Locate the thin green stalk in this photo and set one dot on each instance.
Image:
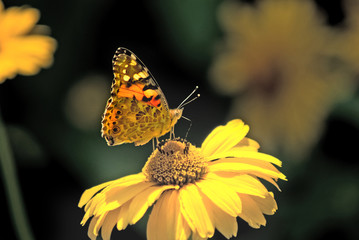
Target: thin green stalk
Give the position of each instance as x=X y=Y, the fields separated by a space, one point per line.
x=17 y=208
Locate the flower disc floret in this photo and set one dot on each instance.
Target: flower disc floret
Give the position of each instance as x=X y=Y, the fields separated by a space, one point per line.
x=175 y=162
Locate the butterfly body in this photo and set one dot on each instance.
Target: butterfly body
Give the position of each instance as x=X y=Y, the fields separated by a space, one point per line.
x=137 y=110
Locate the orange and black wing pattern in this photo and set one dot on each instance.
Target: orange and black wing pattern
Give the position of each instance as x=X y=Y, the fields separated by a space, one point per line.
x=137 y=110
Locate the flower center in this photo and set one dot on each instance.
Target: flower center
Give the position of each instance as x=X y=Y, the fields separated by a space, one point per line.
x=175 y=162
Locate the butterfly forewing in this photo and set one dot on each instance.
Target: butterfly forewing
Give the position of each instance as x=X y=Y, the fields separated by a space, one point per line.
x=137 y=110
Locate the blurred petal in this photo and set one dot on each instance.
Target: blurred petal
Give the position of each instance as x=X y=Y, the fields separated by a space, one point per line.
x=30 y=53
x=24 y=47
x=18 y=21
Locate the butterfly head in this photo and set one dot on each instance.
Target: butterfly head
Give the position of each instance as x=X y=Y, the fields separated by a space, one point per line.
x=175 y=114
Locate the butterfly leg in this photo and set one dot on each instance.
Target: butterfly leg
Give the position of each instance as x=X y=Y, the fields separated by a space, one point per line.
x=172 y=133
x=153 y=144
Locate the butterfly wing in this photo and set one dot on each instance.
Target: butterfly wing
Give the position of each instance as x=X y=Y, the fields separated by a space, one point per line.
x=137 y=110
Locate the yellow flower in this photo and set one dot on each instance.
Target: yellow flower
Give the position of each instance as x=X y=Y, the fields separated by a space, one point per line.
x=276 y=65
x=197 y=190
x=23 y=50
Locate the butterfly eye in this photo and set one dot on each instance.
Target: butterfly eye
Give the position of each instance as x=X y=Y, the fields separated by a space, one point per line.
x=115 y=130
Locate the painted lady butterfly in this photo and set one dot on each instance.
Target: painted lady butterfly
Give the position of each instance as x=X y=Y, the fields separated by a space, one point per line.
x=137 y=110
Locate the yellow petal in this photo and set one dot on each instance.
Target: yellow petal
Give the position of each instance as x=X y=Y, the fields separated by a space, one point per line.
x=88 y=194
x=123 y=219
x=158 y=226
x=223 y=222
x=90 y=231
x=225 y=137
x=195 y=236
x=18 y=21
x=238 y=153
x=85 y=218
x=109 y=223
x=95 y=225
x=268 y=179
x=242 y=183
x=251 y=212
x=154 y=220
x=8 y=68
x=183 y=231
x=166 y=220
x=144 y=200
x=91 y=207
x=130 y=180
x=171 y=214
x=99 y=223
x=242 y=168
x=267 y=205
x=120 y=195
x=254 y=162
x=221 y=195
x=194 y=212
x=248 y=144
x=30 y=53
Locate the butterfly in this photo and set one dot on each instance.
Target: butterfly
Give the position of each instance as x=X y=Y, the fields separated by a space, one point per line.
x=137 y=110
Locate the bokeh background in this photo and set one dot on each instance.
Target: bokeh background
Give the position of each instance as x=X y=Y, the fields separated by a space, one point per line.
x=53 y=118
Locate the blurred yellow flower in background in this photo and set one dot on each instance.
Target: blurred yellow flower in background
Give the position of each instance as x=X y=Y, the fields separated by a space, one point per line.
x=348 y=41
x=23 y=47
x=275 y=63
x=197 y=190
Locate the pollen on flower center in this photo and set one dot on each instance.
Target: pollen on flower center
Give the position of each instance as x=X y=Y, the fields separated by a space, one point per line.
x=175 y=162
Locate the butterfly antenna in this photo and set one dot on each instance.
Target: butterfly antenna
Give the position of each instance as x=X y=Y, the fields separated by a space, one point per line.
x=198 y=95
x=183 y=103
x=190 y=125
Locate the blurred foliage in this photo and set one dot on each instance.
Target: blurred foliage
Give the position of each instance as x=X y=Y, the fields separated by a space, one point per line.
x=59 y=150
x=190 y=29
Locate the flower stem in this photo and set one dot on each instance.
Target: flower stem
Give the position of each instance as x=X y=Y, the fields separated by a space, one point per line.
x=17 y=209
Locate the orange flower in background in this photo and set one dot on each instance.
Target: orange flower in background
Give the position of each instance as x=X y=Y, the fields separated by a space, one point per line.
x=279 y=68
x=193 y=190
x=23 y=47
